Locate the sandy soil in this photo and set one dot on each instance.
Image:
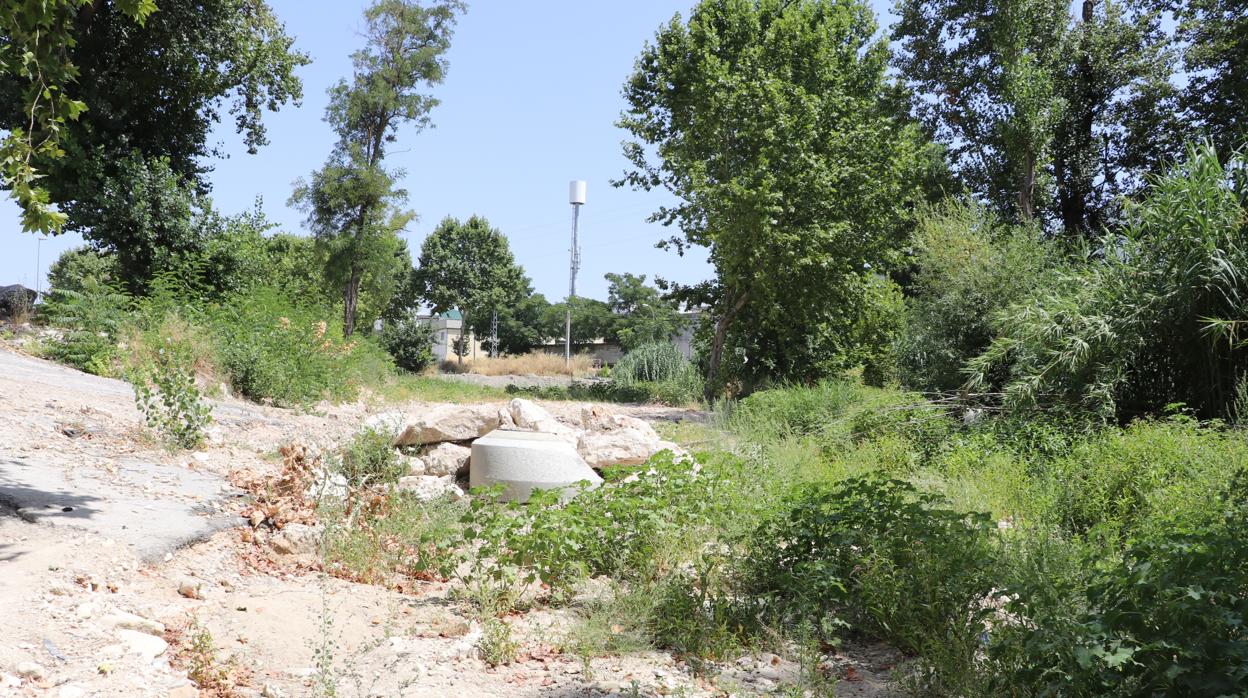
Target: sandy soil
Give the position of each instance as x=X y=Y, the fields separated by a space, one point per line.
x=88 y=610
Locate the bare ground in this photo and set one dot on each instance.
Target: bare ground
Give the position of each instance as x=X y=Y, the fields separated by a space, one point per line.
x=79 y=588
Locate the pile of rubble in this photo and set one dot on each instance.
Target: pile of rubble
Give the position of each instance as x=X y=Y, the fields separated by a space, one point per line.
x=437 y=441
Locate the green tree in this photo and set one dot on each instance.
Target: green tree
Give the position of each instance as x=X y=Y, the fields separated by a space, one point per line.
x=155 y=87
x=36 y=69
x=353 y=205
x=1045 y=117
x=1215 y=36
x=774 y=125
x=591 y=320
x=469 y=267
x=642 y=315
x=521 y=326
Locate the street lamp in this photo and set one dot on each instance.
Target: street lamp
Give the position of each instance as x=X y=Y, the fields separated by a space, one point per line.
x=576 y=197
x=38 y=268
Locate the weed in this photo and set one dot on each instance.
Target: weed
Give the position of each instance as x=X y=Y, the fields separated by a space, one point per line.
x=166 y=394
x=496 y=644
x=369 y=459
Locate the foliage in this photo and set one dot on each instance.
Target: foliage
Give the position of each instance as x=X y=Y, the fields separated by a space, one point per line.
x=36 y=69
x=642 y=316
x=592 y=320
x=1165 y=620
x=970 y=266
x=1215 y=57
x=404 y=538
x=654 y=362
x=72 y=268
x=796 y=410
x=882 y=556
x=1045 y=118
x=876 y=330
x=92 y=318
x=773 y=124
x=353 y=205
x=166 y=394
x=369 y=459
x=1135 y=329
x=410 y=342
x=469 y=267
x=275 y=350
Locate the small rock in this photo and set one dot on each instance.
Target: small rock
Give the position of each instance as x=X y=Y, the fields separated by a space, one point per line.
x=142 y=644
x=184 y=691
x=129 y=621
x=30 y=670
x=71 y=691
x=609 y=686
x=190 y=588
x=427 y=487
x=271 y=690
x=281 y=545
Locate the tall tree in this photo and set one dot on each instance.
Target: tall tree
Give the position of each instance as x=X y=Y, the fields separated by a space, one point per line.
x=642 y=315
x=155 y=88
x=1045 y=116
x=353 y=204
x=1214 y=34
x=469 y=267
x=774 y=125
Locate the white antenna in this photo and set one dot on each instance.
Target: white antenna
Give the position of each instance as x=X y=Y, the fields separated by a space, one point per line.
x=576 y=197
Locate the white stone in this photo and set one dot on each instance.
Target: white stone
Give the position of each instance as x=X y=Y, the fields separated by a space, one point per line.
x=446 y=459
x=30 y=670
x=528 y=416
x=129 y=621
x=415 y=466
x=427 y=487
x=142 y=644
x=618 y=440
x=71 y=691
x=525 y=461
x=440 y=423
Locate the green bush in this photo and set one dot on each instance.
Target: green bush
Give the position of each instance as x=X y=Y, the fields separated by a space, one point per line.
x=970 y=267
x=651 y=363
x=876 y=553
x=407 y=537
x=91 y=318
x=906 y=416
x=1150 y=475
x=290 y=354
x=410 y=343
x=795 y=410
x=370 y=459
x=1149 y=321
x=1167 y=620
x=166 y=394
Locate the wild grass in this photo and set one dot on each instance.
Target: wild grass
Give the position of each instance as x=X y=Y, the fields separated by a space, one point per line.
x=423 y=388
x=536 y=363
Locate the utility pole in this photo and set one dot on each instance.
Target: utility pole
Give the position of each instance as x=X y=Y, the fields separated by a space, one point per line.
x=576 y=197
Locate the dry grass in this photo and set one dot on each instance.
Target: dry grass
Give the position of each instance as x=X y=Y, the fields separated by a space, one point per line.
x=535 y=363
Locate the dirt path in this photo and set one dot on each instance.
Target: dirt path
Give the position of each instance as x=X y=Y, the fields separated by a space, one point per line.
x=95 y=566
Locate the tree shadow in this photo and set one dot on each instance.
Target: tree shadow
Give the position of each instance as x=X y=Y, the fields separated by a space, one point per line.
x=35 y=504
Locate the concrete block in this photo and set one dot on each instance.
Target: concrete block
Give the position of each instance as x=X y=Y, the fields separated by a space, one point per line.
x=525 y=461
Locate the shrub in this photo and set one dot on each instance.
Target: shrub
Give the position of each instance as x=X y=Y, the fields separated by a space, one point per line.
x=1168 y=620
x=879 y=555
x=91 y=318
x=970 y=266
x=370 y=459
x=656 y=362
x=410 y=343
x=794 y=410
x=276 y=350
x=166 y=394
x=406 y=537
x=906 y=416
x=1153 y=474
x=1149 y=320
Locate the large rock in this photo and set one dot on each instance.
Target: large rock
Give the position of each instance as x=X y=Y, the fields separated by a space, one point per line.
x=528 y=416
x=524 y=461
x=441 y=423
x=446 y=459
x=616 y=439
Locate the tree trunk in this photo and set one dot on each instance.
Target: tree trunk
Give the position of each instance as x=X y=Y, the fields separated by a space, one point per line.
x=717 y=344
x=463 y=327
x=350 y=299
x=1026 y=193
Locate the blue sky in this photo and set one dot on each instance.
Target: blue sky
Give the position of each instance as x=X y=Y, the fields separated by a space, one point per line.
x=529 y=103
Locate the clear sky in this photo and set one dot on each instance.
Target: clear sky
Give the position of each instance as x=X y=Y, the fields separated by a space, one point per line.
x=529 y=103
